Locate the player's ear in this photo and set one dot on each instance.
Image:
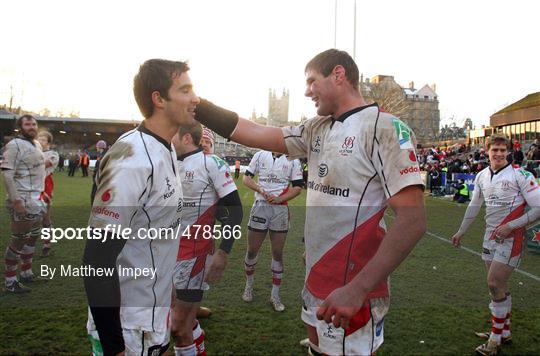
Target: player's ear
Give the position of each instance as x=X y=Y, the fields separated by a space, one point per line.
x=338 y=74
x=158 y=100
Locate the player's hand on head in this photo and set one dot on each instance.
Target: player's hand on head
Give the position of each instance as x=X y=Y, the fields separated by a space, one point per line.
x=217 y=267
x=456 y=239
x=340 y=306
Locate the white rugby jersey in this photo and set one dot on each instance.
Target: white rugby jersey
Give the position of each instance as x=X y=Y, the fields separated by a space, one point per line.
x=506 y=193
x=356 y=163
x=139 y=188
x=54 y=158
x=274 y=174
x=25 y=157
x=205 y=179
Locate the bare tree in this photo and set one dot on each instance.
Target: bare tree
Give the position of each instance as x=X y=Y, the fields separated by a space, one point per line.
x=390 y=97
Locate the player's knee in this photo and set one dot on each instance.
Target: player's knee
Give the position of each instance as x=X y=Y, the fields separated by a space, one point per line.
x=252 y=254
x=277 y=255
x=494 y=286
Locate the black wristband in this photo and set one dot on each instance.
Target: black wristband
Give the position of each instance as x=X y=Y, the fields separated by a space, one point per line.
x=217 y=119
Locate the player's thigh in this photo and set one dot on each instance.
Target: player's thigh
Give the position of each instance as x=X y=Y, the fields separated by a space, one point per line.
x=139 y=342
x=259 y=216
x=279 y=218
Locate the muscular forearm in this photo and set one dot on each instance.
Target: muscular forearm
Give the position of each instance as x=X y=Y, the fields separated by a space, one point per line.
x=406 y=230
x=9 y=183
x=525 y=219
x=251 y=134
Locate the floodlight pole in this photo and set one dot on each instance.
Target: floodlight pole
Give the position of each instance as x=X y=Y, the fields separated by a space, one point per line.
x=354 y=37
x=335 y=23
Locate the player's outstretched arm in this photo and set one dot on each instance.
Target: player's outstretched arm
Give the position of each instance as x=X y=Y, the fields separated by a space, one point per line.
x=470 y=214
x=406 y=230
x=229 y=125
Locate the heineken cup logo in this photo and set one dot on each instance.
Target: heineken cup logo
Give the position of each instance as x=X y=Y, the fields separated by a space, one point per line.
x=403 y=133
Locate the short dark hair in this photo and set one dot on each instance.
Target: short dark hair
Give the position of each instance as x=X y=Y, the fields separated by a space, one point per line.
x=47 y=134
x=498 y=138
x=155 y=75
x=22 y=118
x=195 y=130
x=326 y=61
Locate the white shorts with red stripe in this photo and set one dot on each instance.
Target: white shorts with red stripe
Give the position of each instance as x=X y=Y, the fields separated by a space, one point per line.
x=364 y=335
x=190 y=274
x=508 y=252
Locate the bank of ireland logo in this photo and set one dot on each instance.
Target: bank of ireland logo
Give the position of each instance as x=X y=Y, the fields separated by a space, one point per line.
x=403 y=133
x=323 y=170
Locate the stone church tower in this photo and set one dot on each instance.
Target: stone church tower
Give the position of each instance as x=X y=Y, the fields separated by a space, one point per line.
x=278 y=108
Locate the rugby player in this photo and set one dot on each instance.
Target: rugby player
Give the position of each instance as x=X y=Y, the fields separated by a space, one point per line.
x=270 y=214
x=507 y=191
x=361 y=161
x=207 y=141
x=51 y=157
x=23 y=169
x=208 y=190
x=138 y=187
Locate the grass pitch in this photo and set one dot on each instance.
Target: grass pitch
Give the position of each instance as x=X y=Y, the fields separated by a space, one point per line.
x=439 y=295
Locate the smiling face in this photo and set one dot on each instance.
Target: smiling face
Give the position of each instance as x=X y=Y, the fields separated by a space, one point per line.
x=497 y=155
x=322 y=91
x=180 y=106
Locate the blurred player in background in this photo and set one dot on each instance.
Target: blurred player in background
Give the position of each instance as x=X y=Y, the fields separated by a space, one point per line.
x=270 y=214
x=208 y=190
x=51 y=157
x=507 y=191
x=23 y=169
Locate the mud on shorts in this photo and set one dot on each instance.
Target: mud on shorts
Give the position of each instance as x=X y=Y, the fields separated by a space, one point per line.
x=188 y=278
x=35 y=209
x=364 y=335
x=508 y=252
x=265 y=216
x=137 y=342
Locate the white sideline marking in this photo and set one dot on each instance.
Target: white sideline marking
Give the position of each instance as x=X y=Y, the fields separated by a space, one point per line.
x=525 y=273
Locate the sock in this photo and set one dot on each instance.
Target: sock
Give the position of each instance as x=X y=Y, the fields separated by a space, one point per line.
x=499 y=310
x=27 y=254
x=249 y=268
x=198 y=338
x=11 y=259
x=277 y=273
x=47 y=241
x=506 y=330
x=190 y=350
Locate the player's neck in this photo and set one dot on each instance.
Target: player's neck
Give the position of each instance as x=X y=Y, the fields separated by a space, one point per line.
x=348 y=102
x=161 y=126
x=184 y=150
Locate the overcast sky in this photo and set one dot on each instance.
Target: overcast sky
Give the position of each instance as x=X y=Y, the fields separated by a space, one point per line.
x=82 y=55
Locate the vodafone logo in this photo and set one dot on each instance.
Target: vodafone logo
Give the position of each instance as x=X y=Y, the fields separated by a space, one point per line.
x=411 y=169
x=412 y=156
x=106 y=196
